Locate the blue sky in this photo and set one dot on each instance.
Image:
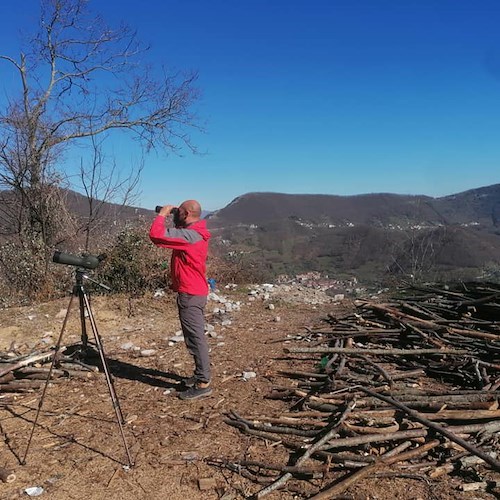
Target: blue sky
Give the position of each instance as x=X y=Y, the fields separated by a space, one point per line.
x=318 y=96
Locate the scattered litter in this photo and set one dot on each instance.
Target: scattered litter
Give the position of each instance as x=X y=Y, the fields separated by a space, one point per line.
x=129 y=346
x=34 y=491
x=248 y=375
x=175 y=339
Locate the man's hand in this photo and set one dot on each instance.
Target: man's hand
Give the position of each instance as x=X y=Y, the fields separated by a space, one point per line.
x=166 y=210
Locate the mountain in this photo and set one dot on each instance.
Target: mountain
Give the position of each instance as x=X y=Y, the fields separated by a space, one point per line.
x=366 y=235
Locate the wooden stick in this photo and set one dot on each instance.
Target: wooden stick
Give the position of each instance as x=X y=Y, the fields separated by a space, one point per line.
x=269 y=466
x=20 y=385
x=408 y=434
x=438 y=415
x=290 y=421
x=374 y=438
x=42 y=372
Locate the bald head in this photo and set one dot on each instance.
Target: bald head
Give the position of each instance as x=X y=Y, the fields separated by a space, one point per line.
x=193 y=209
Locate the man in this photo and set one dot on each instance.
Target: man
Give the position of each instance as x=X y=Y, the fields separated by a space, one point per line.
x=189 y=243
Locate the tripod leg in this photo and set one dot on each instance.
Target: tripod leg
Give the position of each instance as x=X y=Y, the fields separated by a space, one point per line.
x=85 y=337
x=109 y=380
x=54 y=357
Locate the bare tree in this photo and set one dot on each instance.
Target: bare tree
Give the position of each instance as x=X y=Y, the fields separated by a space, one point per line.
x=103 y=183
x=79 y=79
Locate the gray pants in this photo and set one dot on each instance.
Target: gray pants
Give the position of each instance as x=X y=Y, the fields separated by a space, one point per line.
x=191 y=315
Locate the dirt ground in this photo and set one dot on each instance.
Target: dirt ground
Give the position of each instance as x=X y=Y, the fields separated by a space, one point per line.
x=77 y=451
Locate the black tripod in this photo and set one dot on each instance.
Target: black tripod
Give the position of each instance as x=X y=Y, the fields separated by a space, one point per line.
x=79 y=291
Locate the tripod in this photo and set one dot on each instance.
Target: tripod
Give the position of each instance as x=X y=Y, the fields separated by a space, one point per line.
x=79 y=291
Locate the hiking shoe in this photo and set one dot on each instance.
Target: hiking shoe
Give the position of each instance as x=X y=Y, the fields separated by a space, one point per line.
x=196 y=392
x=189 y=381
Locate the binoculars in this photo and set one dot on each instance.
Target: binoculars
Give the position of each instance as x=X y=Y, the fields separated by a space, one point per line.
x=173 y=212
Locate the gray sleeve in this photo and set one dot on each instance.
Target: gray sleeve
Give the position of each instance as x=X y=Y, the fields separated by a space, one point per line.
x=188 y=235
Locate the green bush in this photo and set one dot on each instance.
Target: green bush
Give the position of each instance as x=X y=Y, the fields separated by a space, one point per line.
x=133 y=264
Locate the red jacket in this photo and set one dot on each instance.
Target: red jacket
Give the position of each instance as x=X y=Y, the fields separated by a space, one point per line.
x=189 y=256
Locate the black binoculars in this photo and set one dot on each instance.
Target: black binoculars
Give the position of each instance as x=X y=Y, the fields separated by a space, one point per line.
x=173 y=212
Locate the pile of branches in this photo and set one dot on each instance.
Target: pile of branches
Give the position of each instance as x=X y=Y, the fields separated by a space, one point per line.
x=405 y=387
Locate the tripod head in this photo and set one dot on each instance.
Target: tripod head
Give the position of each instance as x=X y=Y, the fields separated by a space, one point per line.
x=80 y=276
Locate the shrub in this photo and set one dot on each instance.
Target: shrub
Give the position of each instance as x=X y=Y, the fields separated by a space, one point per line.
x=133 y=264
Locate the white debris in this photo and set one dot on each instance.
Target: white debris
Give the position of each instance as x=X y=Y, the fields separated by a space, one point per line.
x=147 y=352
x=248 y=375
x=129 y=346
x=177 y=338
x=34 y=491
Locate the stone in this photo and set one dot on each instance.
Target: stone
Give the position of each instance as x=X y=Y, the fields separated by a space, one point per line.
x=248 y=375
x=128 y=346
x=207 y=483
